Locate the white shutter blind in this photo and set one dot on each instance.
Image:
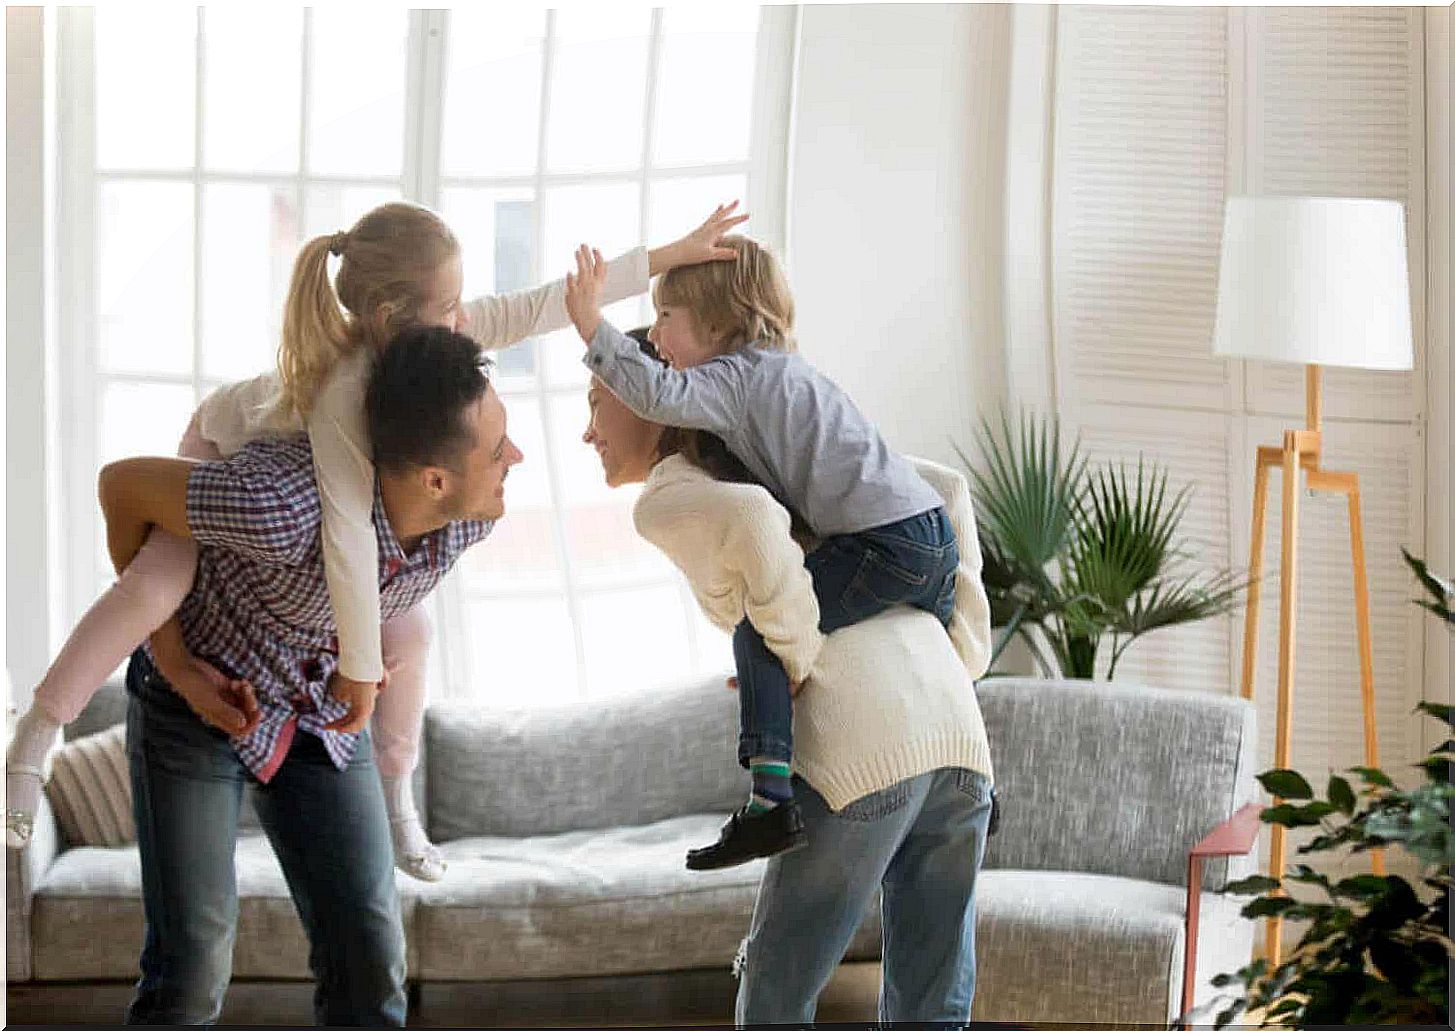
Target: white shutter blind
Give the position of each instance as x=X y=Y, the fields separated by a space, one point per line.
x=1140 y=151
x=1329 y=102
x=1139 y=159
x=1335 y=108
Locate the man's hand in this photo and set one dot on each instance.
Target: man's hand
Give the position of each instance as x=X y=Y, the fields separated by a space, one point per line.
x=228 y=705
x=359 y=696
x=583 y=291
x=699 y=245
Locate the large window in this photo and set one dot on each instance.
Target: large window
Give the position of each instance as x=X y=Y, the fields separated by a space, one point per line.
x=199 y=149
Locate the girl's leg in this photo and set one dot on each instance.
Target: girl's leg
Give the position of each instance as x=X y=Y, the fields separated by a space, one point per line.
x=398 y=716
x=142 y=599
x=146 y=593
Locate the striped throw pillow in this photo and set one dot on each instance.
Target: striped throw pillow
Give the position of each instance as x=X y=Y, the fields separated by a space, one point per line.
x=90 y=790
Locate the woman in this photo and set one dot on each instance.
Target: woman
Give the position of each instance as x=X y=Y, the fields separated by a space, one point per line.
x=893 y=769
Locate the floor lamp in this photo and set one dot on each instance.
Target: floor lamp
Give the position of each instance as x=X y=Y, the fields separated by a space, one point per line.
x=1314 y=281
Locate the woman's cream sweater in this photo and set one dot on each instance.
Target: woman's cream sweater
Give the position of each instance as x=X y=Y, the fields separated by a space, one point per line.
x=884 y=700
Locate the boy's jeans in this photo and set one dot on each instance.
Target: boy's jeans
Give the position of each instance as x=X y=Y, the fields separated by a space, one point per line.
x=855 y=576
x=923 y=840
x=329 y=829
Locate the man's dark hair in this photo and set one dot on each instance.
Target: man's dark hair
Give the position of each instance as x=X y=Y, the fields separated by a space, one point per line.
x=419 y=391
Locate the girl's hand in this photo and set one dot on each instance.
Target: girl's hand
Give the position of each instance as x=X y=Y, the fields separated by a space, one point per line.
x=359 y=696
x=583 y=291
x=701 y=244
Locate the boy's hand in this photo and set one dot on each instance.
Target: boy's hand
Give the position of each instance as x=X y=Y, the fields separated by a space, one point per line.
x=699 y=245
x=583 y=291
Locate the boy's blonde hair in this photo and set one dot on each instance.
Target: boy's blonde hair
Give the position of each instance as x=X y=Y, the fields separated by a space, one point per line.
x=736 y=302
x=388 y=261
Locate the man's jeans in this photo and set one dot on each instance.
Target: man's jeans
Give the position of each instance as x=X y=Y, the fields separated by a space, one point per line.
x=330 y=832
x=922 y=840
x=855 y=576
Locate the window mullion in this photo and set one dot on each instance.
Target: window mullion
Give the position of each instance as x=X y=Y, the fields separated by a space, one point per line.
x=553 y=470
x=305 y=115
x=424 y=106
x=78 y=242
x=197 y=228
x=649 y=119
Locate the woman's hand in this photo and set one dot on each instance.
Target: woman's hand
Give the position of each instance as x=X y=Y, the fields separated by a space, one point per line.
x=794 y=686
x=699 y=245
x=583 y=291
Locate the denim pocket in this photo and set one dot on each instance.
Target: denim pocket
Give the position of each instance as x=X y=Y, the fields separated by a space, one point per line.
x=878 y=584
x=973 y=783
x=877 y=805
x=945 y=600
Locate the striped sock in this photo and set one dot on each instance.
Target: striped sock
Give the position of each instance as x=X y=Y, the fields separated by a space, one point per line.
x=772 y=785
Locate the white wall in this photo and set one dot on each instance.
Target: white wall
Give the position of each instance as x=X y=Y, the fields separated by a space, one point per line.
x=895 y=222
x=27 y=586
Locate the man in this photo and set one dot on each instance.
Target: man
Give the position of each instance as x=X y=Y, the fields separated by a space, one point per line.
x=259 y=611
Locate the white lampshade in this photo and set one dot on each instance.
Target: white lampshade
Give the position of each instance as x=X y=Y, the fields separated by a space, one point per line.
x=1314 y=280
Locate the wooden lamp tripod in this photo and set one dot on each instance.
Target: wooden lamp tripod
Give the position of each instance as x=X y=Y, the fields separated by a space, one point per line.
x=1319 y=281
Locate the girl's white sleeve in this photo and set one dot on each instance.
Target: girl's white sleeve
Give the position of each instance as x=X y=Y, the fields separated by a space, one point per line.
x=501 y=320
x=345 y=473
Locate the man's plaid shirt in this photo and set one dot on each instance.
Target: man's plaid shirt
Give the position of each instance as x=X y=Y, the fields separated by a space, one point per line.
x=259 y=607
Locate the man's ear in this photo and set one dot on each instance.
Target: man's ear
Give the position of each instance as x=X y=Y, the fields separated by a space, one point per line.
x=436 y=482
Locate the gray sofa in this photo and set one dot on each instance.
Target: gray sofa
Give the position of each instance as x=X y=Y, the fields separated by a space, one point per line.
x=565 y=831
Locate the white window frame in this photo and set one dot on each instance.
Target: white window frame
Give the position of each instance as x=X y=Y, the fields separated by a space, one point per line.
x=79 y=181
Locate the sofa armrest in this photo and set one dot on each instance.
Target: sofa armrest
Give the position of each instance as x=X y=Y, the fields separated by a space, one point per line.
x=1235 y=836
x=24 y=870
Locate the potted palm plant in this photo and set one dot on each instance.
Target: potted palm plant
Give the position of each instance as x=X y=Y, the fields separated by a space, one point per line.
x=1076 y=558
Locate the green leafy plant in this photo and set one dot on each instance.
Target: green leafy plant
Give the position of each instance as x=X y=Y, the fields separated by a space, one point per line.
x=1074 y=557
x=1374 y=952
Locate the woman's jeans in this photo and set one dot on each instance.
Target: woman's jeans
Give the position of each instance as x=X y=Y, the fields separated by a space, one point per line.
x=331 y=835
x=922 y=840
x=855 y=576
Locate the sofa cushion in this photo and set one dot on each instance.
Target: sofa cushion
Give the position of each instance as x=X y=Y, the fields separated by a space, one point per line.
x=107 y=709
x=589 y=903
x=630 y=760
x=1113 y=778
x=90 y=789
x=1108 y=949
x=87 y=922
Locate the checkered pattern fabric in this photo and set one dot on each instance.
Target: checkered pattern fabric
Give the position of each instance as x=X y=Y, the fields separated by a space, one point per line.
x=259 y=606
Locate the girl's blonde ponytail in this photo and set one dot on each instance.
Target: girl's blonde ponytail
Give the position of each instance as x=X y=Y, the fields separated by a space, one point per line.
x=388 y=264
x=315 y=330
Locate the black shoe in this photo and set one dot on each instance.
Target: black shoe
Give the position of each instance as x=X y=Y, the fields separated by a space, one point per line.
x=748 y=836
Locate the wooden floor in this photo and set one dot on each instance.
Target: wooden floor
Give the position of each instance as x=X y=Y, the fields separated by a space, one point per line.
x=686 y=998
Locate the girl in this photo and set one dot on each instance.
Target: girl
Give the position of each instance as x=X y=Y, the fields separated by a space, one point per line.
x=399 y=266
x=726 y=332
